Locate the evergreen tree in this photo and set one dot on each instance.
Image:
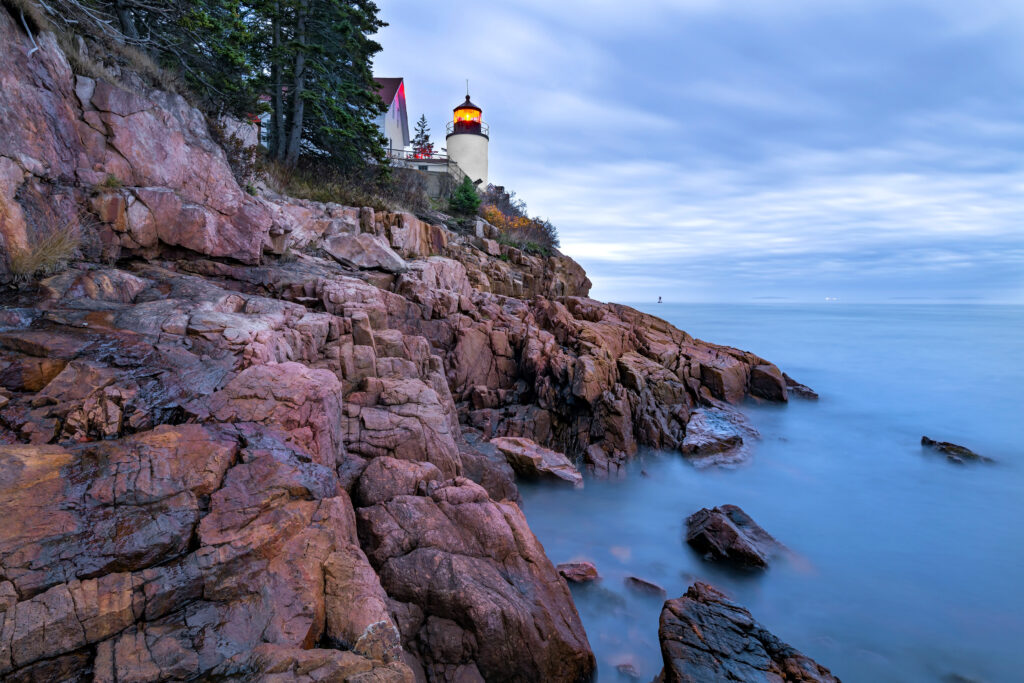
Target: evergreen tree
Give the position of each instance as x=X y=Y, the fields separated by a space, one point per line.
x=421 y=145
x=465 y=201
x=327 y=104
x=313 y=57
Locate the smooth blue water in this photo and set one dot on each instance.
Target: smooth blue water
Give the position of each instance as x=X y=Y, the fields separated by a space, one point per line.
x=908 y=568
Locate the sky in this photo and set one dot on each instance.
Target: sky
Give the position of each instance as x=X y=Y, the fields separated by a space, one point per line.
x=745 y=150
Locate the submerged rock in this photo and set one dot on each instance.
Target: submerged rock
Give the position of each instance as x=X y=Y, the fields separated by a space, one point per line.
x=953 y=452
x=728 y=533
x=645 y=586
x=578 y=572
x=530 y=460
x=628 y=670
x=707 y=637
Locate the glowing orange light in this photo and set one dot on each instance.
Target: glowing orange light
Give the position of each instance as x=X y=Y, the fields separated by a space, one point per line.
x=467 y=116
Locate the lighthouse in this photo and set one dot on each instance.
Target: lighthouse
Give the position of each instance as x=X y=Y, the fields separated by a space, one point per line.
x=468 y=137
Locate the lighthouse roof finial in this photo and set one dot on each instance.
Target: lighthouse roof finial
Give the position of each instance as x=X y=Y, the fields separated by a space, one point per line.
x=467 y=105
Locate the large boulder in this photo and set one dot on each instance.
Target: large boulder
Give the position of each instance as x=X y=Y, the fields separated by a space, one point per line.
x=728 y=533
x=707 y=637
x=474 y=594
x=766 y=381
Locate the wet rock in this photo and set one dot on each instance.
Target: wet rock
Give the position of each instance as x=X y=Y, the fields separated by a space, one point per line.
x=728 y=533
x=105 y=507
x=717 y=436
x=530 y=460
x=645 y=587
x=953 y=452
x=578 y=572
x=706 y=637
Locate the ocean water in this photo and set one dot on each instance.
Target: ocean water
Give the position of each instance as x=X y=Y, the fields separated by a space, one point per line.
x=904 y=567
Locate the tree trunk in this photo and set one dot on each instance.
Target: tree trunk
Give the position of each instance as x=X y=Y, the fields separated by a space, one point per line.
x=126 y=19
x=277 y=140
x=298 y=101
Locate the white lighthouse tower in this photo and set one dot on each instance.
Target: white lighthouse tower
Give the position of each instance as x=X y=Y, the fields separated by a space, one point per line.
x=468 y=137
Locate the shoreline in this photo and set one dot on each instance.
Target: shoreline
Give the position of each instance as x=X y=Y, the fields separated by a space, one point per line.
x=248 y=434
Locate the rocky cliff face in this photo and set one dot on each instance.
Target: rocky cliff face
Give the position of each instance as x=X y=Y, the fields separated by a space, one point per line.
x=248 y=437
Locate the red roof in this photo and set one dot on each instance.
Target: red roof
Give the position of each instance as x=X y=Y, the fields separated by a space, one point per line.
x=388 y=88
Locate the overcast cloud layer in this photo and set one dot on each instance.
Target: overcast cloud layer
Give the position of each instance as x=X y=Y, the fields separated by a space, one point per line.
x=746 y=150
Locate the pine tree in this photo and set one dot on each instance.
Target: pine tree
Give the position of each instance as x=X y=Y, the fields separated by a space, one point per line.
x=324 y=99
x=422 y=147
x=313 y=57
x=465 y=200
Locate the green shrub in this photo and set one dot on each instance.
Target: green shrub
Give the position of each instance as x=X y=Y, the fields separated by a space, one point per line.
x=111 y=182
x=465 y=201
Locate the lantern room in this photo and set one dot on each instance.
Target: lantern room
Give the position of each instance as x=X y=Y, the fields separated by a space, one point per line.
x=468 y=118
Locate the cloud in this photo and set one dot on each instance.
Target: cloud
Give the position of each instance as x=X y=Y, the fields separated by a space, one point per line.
x=747 y=148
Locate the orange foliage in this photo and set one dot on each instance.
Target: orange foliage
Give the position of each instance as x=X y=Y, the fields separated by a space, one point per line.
x=495 y=217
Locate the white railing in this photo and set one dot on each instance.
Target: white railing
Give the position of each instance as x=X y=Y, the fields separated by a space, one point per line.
x=410 y=159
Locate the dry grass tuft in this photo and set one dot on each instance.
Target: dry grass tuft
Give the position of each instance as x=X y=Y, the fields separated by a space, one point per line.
x=319 y=181
x=46 y=255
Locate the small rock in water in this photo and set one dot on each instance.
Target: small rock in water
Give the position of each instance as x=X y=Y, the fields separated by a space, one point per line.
x=578 y=572
x=707 y=637
x=954 y=453
x=798 y=389
x=728 y=533
x=644 y=586
x=716 y=436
